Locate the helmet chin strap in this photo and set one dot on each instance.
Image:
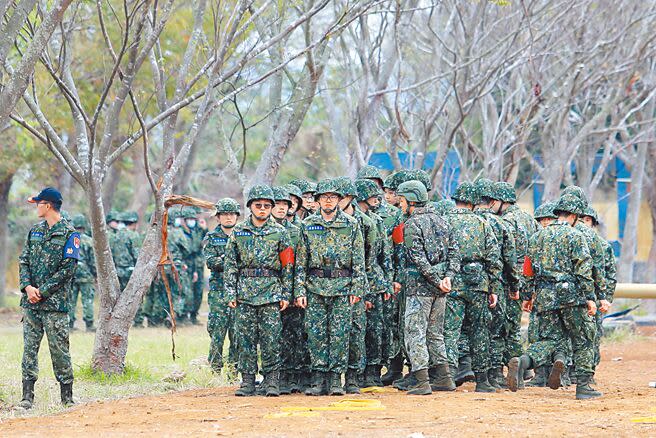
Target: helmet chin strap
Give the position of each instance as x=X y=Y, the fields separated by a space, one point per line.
x=228 y=226
x=329 y=210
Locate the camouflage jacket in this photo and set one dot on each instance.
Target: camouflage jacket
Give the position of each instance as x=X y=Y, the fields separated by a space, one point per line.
x=195 y=259
x=123 y=251
x=214 y=245
x=294 y=232
x=610 y=270
x=376 y=280
x=393 y=220
x=560 y=268
x=506 y=239
x=432 y=253
x=527 y=221
x=86 y=265
x=596 y=248
x=48 y=262
x=259 y=263
x=480 y=258
x=384 y=254
x=332 y=247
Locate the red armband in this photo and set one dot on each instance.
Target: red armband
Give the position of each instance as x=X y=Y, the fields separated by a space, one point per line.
x=397 y=233
x=287 y=257
x=528 y=267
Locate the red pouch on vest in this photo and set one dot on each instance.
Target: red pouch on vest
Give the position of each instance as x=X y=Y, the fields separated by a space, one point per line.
x=528 y=267
x=287 y=257
x=397 y=233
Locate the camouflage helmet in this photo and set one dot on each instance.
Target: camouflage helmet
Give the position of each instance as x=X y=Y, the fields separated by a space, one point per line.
x=546 y=210
x=392 y=182
x=504 y=192
x=65 y=214
x=367 y=189
x=174 y=213
x=485 y=188
x=369 y=172
x=347 y=187
x=189 y=212
x=327 y=185
x=227 y=205
x=443 y=206
x=79 y=221
x=576 y=191
x=570 y=204
x=130 y=217
x=294 y=191
x=260 y=191
x=280 y=193
x=304 y=185
x=466 y=192
x=111 y=216
x=423 y=177
x=589 y=211
x=413 y=191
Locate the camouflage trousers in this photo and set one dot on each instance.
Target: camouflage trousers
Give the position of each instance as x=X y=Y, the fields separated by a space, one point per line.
x=197 y=294
x=295 y=354
x=328 y=325
x=160 y=310
x=557 y=327
x=186 y=294
x=55 y=327
x=599 y=317
x=375 y=333
x=533 y=327
x=86 y=292
x=357 y=356
x=220 y=323
x=424 y=331
x=505 y=337
x=514 y=328
x=469 y=309
x=392 y=343
x=258 y=325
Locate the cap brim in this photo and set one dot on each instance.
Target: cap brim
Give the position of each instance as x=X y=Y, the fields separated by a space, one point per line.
x=33 y=199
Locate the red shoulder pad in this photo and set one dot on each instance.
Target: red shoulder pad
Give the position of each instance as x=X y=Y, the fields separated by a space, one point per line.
x=287 y=257
x=397 y=233
x=528 y=267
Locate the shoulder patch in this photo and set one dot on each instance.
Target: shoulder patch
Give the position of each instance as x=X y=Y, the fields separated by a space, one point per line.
x=219 y=240
x=243 y=233
x=72 y=247
x=315 y=228
x=36 y=235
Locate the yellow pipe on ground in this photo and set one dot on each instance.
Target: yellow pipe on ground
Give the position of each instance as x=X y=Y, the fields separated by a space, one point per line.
x=635 y=290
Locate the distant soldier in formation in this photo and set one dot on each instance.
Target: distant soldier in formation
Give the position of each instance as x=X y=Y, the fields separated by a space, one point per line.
x=85 y=276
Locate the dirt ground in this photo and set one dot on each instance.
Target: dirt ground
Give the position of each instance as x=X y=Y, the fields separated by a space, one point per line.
x=624 y=375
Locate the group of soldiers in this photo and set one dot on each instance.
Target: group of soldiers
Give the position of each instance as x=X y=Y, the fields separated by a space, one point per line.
x=343 y=278
x=337 y=280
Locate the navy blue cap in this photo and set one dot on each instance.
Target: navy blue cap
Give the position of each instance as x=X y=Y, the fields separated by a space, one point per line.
x=49 y=194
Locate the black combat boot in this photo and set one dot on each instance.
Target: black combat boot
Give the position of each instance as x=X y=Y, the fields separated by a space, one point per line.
x=583 y=389
x=335 y=387
x=516 y=368
x=556 y=373
x=376 y=376
x=247 y=387
x=422 y=387
x=293 y=379
x=260 y=389
x=540 y=379
x=370 y=375
x=405 y=382
x=465 y=373
x=351 y=382
x=272 y=384
x=440 y=378
x=317 y=386
x=496 y=378
x=285 y=385
x=28 y=394
x=482 y=383
x=66 y=394
x=394 y=371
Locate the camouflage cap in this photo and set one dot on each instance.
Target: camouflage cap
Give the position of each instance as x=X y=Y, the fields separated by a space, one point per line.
x=281 y=194
x=327 y=185
x=413 y=191
x=369 y=172
x=293 y=191
x=576 y=191
x=227 y=205
x=347 y=186
x=79 y=221
x=443 y=206
x=589 y=211
x=367 y=189
x=546 y=210
x=570 y=204
x=485 y=188
x=260 y=191
x=504 y=191
x=466 y=192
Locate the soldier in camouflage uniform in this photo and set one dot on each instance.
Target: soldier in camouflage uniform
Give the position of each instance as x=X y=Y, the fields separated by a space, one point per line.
x=258 y=276
x=330 y=279
x=85 y=276
x=433 y=260
x=308 y=204
x=124 y=251
x=443 y=206
x=131 y=219
x=559 y=266
x=504 y=344
x=221 y=317
x=195 y=233
x=591 y=220
x=474 y=285
x=47 y=267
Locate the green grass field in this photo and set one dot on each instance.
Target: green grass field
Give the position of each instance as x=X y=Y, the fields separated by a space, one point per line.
x=149 y=363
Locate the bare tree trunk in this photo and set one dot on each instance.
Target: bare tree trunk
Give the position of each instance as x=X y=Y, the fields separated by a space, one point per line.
x=629 y=242
x=5 y=186
x=651 y=197
x=111 y=185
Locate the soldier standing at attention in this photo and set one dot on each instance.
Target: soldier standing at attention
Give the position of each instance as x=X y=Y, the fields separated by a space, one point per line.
x=47 y=267
x=195 y=233
x=258 y=276
x=432 y=260
x=330 y=279
x=220 y=320
x=85 y=276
